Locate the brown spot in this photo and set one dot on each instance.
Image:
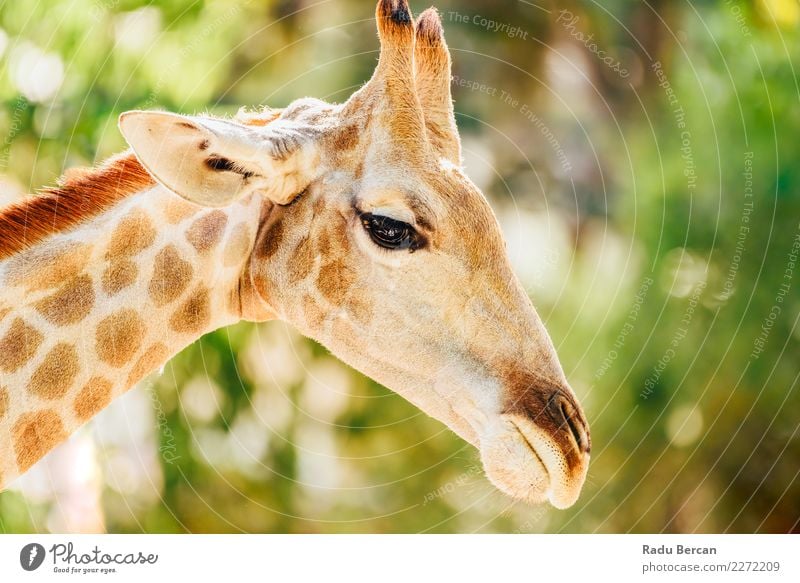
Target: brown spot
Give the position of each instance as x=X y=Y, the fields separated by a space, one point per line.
x=193 y=316
x=323 y=244
x=47 y=268
x=206 y=232
x=256 y=301
x=171 y=275
x=18 y=345
x=238 y=245
x=56 y=373
x=119 y=275
x=202 y=146
x=70 y=304
x=177 y=209
x=134 y=234
x=272 y=241
x=154 y=356
x=119 y=337
x=301 y=262
x=92 y=398
x=80 y=196
x=334 y=281
x=3 y=402
x=34 y=434
x=4 y=312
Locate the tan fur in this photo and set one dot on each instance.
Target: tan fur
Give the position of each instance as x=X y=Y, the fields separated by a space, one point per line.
x=177 y=209
x=117 y=311
x=238 y=245
x=3 y=401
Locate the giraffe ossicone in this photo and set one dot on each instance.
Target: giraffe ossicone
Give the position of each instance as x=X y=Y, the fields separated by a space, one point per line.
x=352 y=222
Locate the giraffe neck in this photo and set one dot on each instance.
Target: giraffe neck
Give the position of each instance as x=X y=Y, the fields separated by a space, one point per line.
x=85 y=314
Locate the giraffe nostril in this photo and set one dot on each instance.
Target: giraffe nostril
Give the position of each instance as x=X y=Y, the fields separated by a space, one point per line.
x=563 y=411
x=570 y=418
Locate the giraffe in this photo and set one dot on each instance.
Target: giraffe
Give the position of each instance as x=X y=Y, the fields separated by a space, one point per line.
x=353 y=222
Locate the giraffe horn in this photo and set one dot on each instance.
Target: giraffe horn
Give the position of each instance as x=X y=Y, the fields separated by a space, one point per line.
x=432 y=73
x=391 y=90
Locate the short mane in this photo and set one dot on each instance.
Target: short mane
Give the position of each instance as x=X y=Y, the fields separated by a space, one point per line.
x=80 y=195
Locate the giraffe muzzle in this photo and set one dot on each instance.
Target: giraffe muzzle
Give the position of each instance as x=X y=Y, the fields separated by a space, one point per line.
x=538 y=448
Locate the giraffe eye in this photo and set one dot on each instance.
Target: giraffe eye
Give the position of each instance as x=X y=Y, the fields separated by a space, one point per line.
x=390 y=233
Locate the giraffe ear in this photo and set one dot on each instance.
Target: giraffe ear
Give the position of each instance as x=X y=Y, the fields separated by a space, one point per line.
x=214 y=162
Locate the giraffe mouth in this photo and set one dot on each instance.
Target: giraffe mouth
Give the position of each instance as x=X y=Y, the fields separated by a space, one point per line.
x=522 y=461
x=514 y=464
x=565 y=476
x=532 y=449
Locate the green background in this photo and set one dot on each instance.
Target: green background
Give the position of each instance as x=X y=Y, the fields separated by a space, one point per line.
x=651 y=216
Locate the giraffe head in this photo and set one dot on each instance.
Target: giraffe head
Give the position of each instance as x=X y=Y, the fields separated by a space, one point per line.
x=373 y=241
